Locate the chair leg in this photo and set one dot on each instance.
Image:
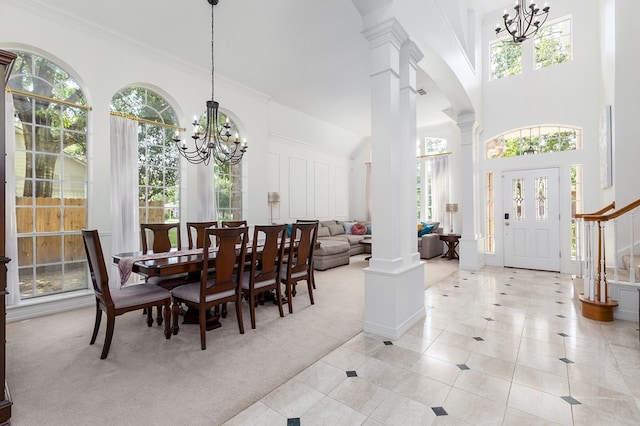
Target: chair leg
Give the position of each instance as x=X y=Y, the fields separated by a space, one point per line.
x=175 y=310
x=252 y=308
x=167 y=321
x=159 y=315
x=239 y=313
x=96 y=326
x=310 y=287
x=289 y=297
x=279 y=299
x=107 y=339
x=203 y=327
x=149 y=316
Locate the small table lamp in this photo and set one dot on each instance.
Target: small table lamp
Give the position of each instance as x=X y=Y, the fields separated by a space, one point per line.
x=272 y=198
x=451 y=209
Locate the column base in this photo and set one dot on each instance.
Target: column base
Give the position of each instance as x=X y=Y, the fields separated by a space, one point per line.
x=394 y=301
x=471 y=253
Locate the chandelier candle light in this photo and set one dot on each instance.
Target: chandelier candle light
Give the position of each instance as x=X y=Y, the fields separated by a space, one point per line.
x=525 y=23
x=215 y=139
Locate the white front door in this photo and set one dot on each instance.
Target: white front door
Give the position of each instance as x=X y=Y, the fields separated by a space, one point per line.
x=531 y=219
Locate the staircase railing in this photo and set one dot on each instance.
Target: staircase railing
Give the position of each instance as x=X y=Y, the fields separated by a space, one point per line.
x=591 y=253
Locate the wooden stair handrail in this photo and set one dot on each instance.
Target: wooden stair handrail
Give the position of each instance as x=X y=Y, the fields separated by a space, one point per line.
x=598 y=213
x=615 y=214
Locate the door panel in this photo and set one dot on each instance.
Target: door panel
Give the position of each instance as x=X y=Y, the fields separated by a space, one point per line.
x=532 y=219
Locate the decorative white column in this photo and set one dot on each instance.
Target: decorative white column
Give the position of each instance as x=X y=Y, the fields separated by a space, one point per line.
x=394 y=281
x=471 y=246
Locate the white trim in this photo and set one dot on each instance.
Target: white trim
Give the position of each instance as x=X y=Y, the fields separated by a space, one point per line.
x=48 y=305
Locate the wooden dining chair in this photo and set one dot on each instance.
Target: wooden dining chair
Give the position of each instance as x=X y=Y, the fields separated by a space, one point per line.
x=267 y=253
x=116 y=302
x=233 y=223
x=299 y=266
x=221 y=286
x=196 y=229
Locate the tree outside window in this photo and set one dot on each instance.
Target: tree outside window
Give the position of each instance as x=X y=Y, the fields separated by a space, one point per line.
x=505 y=58
x=553 y=44
x=51 y=176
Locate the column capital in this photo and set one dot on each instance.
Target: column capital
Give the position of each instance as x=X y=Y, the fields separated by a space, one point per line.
x=386 y=32
x=411 y=52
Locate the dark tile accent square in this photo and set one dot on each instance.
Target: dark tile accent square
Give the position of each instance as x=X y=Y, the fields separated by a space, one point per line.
x=560 y=316
x=508 y=285
x=293 y=421
x=463 y=366
x=473 y=273
x=445 y=295
x=504 y=294
x=563 y=335
x=558 y=291
x=566 y=360
x=512 y=278
x=352 y=373
x=456 y=286
x=464 y=279
x=560 y=303
x=478 y=339
x=557 y=283
x=571 y=400
x=497 y=304
x=388 y=342
x=440 y=411
x=489 y=319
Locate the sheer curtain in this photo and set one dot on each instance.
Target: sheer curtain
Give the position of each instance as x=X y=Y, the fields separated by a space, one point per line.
x=207 y=209
x=11 y=238
x=439 y=167
x=125 y=214
x=368 y=191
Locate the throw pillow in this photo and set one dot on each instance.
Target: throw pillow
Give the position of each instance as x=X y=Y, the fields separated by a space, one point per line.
x=358 y=229
x=336 y=229
x=323 y=231
x=348 y=226
x=289 y=228
x=425 y=228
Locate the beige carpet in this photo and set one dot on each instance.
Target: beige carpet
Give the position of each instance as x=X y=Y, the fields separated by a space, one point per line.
x=56 y=377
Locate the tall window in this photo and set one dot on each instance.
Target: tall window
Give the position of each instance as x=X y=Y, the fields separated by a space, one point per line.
x=505 y=58
x=553 y=44
x=576 y=203
x=534 y=140
x=431 y=168
x=490 y=213
x=158 y=157
x=51 y=176
x=228 y=181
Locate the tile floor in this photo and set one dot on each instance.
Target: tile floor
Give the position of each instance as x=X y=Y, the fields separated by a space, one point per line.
x=497 y=347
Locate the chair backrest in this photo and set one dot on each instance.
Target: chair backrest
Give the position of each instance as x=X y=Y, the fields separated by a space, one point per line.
x=267 y=252
x=227 y=265
x=233 y=223
x=301 y=246
x=197 y=229
x=155 y=236
x=97 y=266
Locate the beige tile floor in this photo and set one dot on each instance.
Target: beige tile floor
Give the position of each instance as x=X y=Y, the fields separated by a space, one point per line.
x=497 y=347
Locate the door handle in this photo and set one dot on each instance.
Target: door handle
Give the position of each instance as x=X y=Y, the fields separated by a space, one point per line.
x=506 y=224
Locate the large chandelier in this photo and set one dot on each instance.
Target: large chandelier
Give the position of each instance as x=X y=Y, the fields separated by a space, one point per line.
x=526 y=22
x=214 y=140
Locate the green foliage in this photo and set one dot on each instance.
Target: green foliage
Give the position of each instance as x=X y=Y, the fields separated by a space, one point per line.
x=506 y=59
x=552 y=45
x=564 y=139
x=48 y=126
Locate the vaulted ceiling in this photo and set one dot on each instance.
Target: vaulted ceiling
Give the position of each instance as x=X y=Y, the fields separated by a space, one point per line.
x=307 y=55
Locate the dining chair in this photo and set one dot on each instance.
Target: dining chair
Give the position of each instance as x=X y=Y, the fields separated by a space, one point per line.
x=118 y=301
x=221 y=253
x=233 y=223
x=313 y=274
x=196 y=229
x=267 y=253
x=157 y=238
x=299 y=266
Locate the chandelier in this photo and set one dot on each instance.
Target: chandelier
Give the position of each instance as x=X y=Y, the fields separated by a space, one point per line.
x=526 y=22
x=214 y=140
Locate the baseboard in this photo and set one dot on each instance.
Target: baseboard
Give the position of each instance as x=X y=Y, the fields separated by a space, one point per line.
x=29 y=309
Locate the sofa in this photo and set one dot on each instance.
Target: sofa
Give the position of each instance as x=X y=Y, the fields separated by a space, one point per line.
x=429 y=244
x=337 y=244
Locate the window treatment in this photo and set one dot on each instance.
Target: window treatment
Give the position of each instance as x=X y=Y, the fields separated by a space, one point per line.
x=368 y=191
x=438 y=167
x=11 y=237
x=125 y=214
x=207 y=209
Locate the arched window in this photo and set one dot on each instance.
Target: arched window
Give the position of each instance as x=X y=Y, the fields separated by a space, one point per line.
x=534 y=140
x=51 y=176
x=228 y=181
x=158 y=158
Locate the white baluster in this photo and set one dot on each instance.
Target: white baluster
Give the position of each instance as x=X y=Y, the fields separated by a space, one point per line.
x=603 y=267
x=615 y=250
x=632 y=261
